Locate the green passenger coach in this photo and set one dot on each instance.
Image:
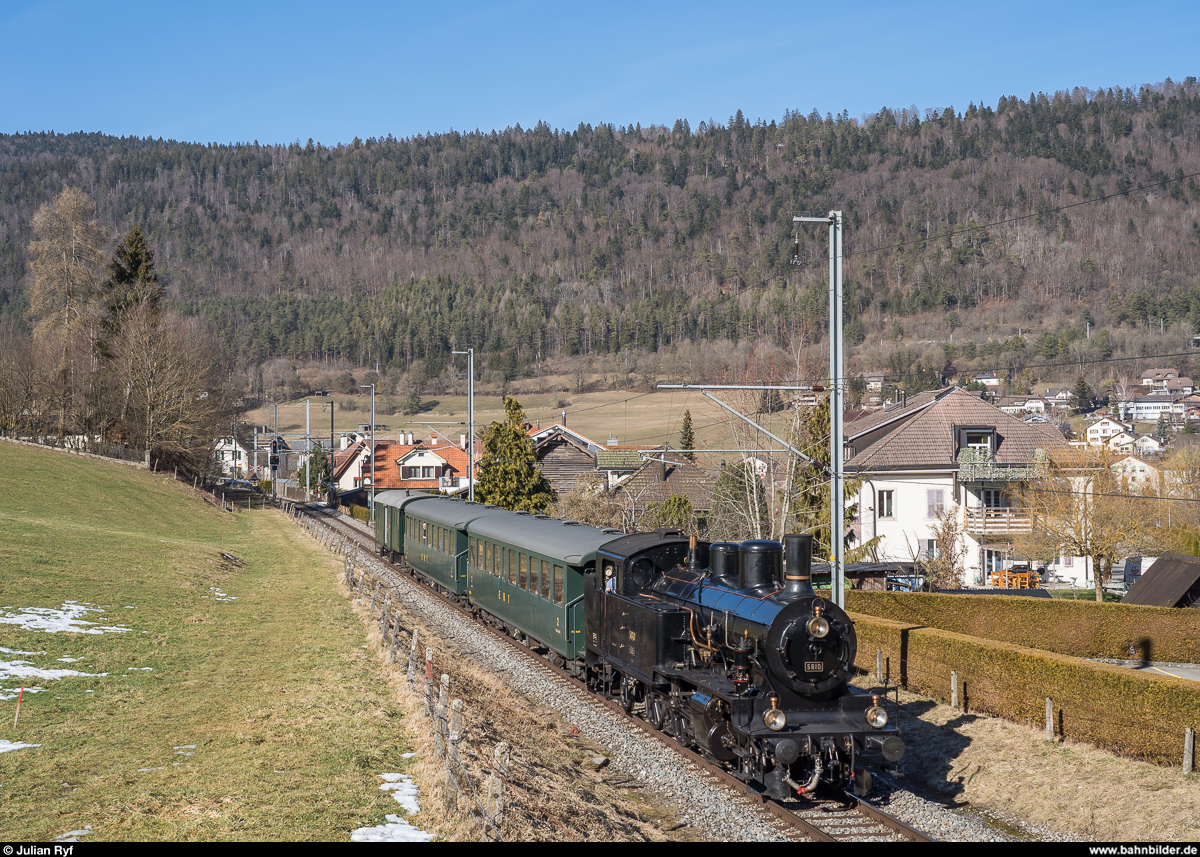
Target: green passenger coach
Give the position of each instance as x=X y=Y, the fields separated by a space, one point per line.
x=389 y=520
x=527 y=572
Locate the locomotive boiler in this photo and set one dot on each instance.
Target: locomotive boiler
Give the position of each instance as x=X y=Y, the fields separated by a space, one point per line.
x=728 y=648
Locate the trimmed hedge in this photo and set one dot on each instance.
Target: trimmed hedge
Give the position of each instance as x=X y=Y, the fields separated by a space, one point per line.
x=1083 y=629
x=1133 y=713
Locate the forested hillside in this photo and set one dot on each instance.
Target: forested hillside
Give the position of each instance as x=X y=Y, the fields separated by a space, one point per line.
x=537 y=244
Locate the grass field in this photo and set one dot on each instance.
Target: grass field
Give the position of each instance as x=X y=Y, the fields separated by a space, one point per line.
x=291 y=721
x=630 y=416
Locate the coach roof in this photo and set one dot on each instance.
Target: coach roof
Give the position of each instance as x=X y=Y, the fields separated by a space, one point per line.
x=451 y=513
x=570 y=541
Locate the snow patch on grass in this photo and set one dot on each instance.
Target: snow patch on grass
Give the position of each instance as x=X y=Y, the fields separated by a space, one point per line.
x=68 y=618
x=7 y=746
x=73 y=835
x=395 y=828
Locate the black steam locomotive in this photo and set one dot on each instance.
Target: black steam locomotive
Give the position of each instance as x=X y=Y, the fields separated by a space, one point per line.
x=728 y=649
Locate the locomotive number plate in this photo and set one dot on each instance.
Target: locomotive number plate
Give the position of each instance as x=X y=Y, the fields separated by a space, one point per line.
x=814 y=666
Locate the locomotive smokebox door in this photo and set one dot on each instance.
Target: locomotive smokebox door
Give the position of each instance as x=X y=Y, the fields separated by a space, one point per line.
x=810 y=646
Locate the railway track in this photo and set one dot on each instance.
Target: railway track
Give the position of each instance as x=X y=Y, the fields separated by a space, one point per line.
x=846 y=818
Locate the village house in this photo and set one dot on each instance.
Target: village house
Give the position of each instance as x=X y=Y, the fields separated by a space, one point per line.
x=232 y=458
x=563 y=455
x=433 y=466
x=1021 y=405
x=666 y=475
x=1147 y=409
x=1101 y=430
x=959 y=455
x=1137 y=473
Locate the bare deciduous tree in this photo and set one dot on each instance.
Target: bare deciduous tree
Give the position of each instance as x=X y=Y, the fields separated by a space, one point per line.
x=178 y=403
x=1079 y=507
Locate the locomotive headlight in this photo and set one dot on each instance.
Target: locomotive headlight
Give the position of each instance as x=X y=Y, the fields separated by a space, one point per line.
x=818 y=625
x=774 y=719
x=877 y=717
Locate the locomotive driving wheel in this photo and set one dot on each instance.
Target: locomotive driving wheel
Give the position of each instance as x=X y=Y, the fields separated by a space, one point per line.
x=628 y=693
x=656 y=709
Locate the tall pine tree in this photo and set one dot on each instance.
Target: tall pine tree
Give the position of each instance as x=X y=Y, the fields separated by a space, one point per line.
x=811 y=487
x=508 y=473
x=131 y=282
x=687 y=437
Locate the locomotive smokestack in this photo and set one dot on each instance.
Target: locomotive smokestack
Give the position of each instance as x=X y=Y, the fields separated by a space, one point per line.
x=797 y=564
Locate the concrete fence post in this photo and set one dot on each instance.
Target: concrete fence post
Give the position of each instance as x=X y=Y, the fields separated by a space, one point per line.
x=1189 y=749
x=954 y=689
x=1049 y=720
x=412 y=659
x=879 y=665
x=496 y=783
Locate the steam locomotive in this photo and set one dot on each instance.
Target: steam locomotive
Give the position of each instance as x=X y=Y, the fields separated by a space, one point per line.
x=726 y=647
x=730 y=649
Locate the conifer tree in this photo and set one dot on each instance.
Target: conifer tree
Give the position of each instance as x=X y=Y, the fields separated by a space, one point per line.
x=508 y=473
x=810 y=487
x=687 y=438
x=131 y=281
x=1081 y=396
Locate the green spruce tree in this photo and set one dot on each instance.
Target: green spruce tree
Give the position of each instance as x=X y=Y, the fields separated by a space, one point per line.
x=508 y=473
x=687 y=438
x=1081 y=396
x=811 y=487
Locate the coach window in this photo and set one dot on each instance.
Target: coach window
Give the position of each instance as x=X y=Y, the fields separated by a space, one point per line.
x=558 y=584
x=546 y=580
x=424 y=533
x=487 y=557
x=512 y=567
x=496 y=567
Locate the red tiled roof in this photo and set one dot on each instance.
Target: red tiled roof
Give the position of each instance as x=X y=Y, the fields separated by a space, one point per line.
x=389 y=453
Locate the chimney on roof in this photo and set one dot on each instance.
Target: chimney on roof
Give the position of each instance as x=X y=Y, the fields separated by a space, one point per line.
x=433 y=439
x=462 y=441
x=564 y=418
x=410 y=438
x=612 y=440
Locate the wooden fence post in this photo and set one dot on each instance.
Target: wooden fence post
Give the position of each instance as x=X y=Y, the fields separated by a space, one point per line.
x=1189 y=749
x=954 y=689
x=879 y=665
x=1049 y=720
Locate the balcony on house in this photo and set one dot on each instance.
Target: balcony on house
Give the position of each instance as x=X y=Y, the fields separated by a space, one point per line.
x=997 y=521
x=989 y=510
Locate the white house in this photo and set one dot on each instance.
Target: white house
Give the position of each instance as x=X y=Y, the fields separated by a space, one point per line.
x=1148 y=409
x=232 y=458
x=1137 y=472
x=1147 y=444
x=1121 y=442
x=958 y=454
x=1102 y=429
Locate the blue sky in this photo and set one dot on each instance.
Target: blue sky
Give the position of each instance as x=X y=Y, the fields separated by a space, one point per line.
x=278 y=72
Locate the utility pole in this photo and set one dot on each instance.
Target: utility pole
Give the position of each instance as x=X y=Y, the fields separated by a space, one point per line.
x=372 y=386
x=837 y=385
x=470 y=352
x=307 y=447
x=274 y=457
